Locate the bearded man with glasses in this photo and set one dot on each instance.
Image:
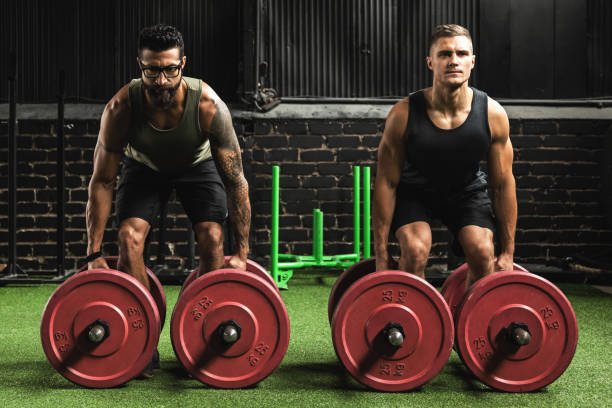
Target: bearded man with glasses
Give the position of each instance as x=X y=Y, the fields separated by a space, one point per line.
x=174 y=133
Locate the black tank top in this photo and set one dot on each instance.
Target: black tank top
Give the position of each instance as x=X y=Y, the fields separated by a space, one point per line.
x=446 y=160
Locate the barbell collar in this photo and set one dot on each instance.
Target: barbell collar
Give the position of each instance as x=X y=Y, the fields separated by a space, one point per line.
x=98 y=331
x=229 y=332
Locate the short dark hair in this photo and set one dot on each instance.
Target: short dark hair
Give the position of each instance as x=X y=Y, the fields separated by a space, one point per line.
x=448 y=30
x=160 y=37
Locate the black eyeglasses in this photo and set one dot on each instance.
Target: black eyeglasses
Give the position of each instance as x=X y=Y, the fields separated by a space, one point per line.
x=170 y=71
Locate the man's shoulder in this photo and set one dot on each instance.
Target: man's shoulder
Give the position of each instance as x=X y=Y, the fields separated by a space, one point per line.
x=495 y=110
x=120 y=103
x=211 y=106
x=498 y=120
x=209 y=99
x=400 y=109
x=397 y=119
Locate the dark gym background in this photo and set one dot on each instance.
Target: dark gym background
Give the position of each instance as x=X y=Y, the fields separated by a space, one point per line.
x=348 y=48
x=337 y=66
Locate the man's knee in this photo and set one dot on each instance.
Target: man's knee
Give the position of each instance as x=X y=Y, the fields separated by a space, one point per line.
x=480 y=251
x=131 y=240
x=414 y=247
x=418 y=251
x=210 y=235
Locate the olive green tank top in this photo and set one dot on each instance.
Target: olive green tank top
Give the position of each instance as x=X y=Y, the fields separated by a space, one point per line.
x=167 y=150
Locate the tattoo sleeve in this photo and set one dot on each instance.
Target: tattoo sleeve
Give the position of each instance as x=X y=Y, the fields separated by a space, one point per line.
x=226 y=153
x=108 y=149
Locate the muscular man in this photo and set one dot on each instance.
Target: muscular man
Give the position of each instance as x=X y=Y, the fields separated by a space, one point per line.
x=428 y=166
x=175 y=133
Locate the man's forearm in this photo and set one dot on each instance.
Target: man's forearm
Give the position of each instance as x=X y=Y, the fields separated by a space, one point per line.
x=504 y=203
x=97 y=213
x=239 y=208
x=381 y=231
x=384 y=205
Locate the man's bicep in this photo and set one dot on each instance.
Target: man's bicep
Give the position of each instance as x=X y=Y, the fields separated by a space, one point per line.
x=224 y=145
x=391 y=150
x=500 y=154
x=500 y=161
x=105 y=166
x=112 y=137
x=115 y=123
x=498 y=122
x=390 y=162
x=221 y=130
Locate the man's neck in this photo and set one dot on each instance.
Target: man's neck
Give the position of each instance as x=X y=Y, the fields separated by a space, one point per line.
x=450 y=100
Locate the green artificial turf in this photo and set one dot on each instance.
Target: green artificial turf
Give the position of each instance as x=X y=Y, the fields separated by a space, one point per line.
x=310 y=374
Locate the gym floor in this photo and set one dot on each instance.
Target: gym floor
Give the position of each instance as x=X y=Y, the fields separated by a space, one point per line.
x=310 y=374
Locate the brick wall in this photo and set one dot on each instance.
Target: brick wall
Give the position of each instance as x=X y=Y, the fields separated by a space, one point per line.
x=557 y=168
x=36 y=196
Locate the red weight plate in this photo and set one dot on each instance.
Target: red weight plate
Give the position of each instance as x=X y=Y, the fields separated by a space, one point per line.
x=188 y=280
x=346 y=279
x=490 y=306
x=230 y=295
x=454 y=285
x=156 y=288
x=260 y=271
x=400 y=298
x=252 y=266
x=157 y=291
x=129 y=312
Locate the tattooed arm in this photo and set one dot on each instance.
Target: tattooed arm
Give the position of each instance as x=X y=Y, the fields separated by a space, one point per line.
x=216 y=122
x=107 y=156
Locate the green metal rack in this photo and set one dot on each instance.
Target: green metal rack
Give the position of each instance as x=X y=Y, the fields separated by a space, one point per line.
x=282 y=265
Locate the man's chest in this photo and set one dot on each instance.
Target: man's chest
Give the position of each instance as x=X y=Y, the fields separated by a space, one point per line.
x=448 y=121
x=164 y=120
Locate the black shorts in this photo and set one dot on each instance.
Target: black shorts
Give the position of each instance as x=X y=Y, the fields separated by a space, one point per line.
x=468 y=207
x=200 y=190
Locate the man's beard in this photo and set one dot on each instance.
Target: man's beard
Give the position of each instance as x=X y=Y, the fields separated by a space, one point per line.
x=162 y=97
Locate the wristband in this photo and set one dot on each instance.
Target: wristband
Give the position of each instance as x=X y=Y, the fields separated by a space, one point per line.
x=92 y=256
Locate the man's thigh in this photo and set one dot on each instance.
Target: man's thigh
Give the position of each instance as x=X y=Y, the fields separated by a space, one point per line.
x=411 y=206
x=140 y=192
x=202 y=193
x=471 y=208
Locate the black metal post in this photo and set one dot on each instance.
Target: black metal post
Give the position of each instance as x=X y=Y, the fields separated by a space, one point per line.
x=251 y=46
x=247 y=163
x=161 y=238
x=12 y=269
x=191 y=244
x=61 y=236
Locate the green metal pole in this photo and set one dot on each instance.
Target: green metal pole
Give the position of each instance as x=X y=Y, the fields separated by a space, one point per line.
x=366 y=212
x=356 y=243
x=274 y=232
x=319 y=232
x=315 y=236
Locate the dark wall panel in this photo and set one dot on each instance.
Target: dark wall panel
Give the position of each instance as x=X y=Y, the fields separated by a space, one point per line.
x=95 y=43
x=570 y=49
x=98 y=66
x=355 y=48
x=532 y=49
x=494 y=56
x=320 y=48
x=546 y=49
x=599 y=56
